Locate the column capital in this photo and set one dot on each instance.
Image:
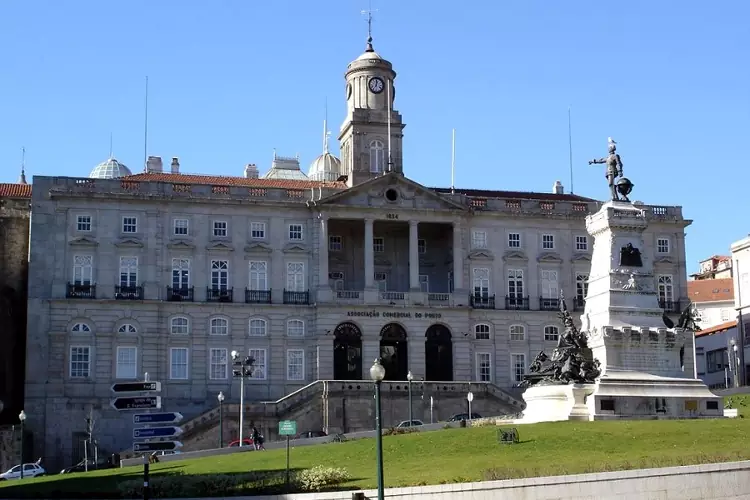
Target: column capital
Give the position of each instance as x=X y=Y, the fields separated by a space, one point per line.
x=322 y=216
x=369 y=220
x=456 y=223
x=413 y=223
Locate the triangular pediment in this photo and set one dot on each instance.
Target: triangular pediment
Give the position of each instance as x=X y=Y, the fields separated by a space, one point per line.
x=84 y=241
x=664 y=259
x=382 y=261
x=549 y=257
x=581 y=257
x=295 y=248
x=258 y=247
x=392 y=191
x=338 y=259
x=481 y=255
x=516 y=255
x=128 y=243
x=220 y=246
x=180 y=245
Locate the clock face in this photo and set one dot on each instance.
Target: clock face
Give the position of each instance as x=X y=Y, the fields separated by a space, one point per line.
x=376 y=85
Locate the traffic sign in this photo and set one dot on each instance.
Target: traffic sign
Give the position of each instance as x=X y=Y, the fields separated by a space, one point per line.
x=170 y=417
x=287 y=428
x=156 y=446
x=470 y=397
x=137 y=387
x=152 y=432
x=137 y=403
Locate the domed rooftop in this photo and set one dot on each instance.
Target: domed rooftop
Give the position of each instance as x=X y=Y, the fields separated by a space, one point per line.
x=110 y=169
x=326 y=168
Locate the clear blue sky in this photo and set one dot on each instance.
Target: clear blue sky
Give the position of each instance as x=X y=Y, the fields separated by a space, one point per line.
x=232 y=79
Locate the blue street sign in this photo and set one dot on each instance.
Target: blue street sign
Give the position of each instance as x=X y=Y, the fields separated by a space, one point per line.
x=171 y=417
x=152 y=432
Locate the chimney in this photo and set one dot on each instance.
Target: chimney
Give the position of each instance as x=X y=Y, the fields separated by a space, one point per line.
x=175 y=165
x=558 y=188
x=153 y=165
x=251 y=171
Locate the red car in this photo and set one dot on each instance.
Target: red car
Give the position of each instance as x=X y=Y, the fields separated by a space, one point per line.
x=245 y=442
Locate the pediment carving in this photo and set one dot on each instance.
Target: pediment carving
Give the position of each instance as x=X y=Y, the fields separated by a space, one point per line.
x=220 y=246
x=180 y=245
x=516 y=255
x=382 y=261
x=481 y=255
x=338 y=259
x=295 y=248
x=426 y=263
x=549 y=257
x=581 y=257
x=664 y=259
x=128 y=243
x=258 y=247
x=84 y=241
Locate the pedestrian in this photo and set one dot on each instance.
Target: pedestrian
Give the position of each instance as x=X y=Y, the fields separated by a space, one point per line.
x=256 y=438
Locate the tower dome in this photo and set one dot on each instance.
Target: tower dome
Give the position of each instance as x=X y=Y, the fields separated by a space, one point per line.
x=110 y=169
x=325 y=168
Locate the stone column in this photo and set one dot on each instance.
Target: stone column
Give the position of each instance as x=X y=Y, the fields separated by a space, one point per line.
x=323 y=253
x=458 y=258
x=413 y=256
x=369 y=255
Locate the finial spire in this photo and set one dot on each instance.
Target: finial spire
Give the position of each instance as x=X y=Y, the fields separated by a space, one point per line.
x=22 y=177
x=110 y=145
x=326 y=133
x=369 y=12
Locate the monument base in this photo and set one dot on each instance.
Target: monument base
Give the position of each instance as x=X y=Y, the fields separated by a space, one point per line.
x=556 y=402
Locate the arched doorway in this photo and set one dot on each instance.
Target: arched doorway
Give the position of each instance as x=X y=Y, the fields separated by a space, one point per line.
x=438 y=354
x=347 y=352
x=393 y=352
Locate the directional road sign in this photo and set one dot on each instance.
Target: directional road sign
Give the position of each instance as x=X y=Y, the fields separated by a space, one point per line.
x=171 y=417
x=156 y=446
x=153 y=432
x=137 y=387
x=287 y=428
x=137 y=403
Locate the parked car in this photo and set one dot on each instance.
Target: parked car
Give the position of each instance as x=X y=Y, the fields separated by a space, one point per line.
x=245 y=442
x=464 y=416
x=410 y=423
x=311 y=434
x=81 y=466
x=29 y=470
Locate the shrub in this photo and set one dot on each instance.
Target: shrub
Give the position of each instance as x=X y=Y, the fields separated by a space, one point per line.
x=394 y=431
x=319 y=477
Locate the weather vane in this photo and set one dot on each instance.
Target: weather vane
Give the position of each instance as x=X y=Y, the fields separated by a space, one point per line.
x=368 y=13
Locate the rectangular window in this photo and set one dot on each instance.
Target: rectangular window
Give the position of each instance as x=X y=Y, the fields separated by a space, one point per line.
x=551 y=333
x=220 y=229
x=258 y=230
x=514 y=240
x=517 y=333
x=295 y=328
x=83 y=223
x=127 y=365
x=665 y=288
x=83 y=269
x=662 y=245
x=381 y=280
x=180 y=227
x=295 y=364
x=484 y=366
x=518 y=362
x=129 y=224
x=180 y=273
x=582 y=243
x=128 y=271
x=717 y=361
x=481 y=279
x=378 y=245
x=178 y=363
x=258 y=275
x=479 y=239
x=80 y=362
x=295 y=277
x=218 y=364
x=421 y=246
x=259 y=363
x=335 y=243
x=219 y=275
x=550 y=289
x=482 y=332
x=548 y=241
x=424 y=283
x=725 y=314
x=257 y=327
x=295 y=232
x=219 y=326
x=515 y=283
x=582 y=288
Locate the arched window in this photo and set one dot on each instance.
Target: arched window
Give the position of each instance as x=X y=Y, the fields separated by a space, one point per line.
x=257 y=327
x=482 y=331
x=517 y=332
x=180 y=325
x=377 y=157
x=295 y=328
x=80 y=328
x=219 y=326
x=551 y=333
x=127 y=328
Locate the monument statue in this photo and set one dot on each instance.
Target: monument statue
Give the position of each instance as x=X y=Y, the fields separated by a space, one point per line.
x=630 y=256
x=614 y=170
x=571 y=361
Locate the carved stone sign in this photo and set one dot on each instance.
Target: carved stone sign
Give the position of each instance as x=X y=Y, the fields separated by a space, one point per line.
x=394 y=314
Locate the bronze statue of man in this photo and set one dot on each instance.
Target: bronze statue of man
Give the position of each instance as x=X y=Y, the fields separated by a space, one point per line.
x=614 y=168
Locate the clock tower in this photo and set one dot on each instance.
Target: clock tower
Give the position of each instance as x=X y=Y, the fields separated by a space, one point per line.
x=364 y=135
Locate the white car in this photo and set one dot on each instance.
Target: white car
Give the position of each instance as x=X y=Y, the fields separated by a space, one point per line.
x=29 y=470
x=408 y=423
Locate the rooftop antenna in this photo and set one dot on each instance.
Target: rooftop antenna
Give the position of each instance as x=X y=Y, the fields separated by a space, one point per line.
x=22 y=177
x=369 y=12
x=110 y=145
x=145 y=131
x=390 y=158
x=453 y=162
x=326 y=133
x=570 y=150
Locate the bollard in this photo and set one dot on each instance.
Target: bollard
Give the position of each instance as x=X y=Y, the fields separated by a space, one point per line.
x=146 y=488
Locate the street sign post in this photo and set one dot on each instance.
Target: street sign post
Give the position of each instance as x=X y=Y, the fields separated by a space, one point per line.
x=171 y=417
x=136 y=387
x=156 y=446
x=287 y=428
x=470 y=398
x=136 y=403
x=154 y=432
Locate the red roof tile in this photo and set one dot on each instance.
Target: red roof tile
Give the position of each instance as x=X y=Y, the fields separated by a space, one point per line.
x=482 y=193
x=12 y=190
x=711 y=290
x=716 y=329
x=216 y=180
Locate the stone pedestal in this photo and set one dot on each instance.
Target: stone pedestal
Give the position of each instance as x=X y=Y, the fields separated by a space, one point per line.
x=551 y=403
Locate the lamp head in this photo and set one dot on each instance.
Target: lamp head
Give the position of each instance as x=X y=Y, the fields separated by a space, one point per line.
x=234 y=354
x=22 y=416
x=732 y=341
x=377 y=372
x=220 y=397
x=409 y=376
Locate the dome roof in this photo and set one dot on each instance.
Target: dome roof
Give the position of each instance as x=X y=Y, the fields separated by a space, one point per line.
x=325 y=167
x=110 y=169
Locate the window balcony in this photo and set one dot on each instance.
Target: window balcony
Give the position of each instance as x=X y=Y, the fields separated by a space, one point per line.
x=219 y=294
x=81 y=291
x=546 y=304
x=349 y=296
x=670 y=306
x=181 y=294
x=480 y=301
x=516 y=303
x=439 y=299
x=393 y=298
x=128 y=292
x=257 y=296
x=299 y=298
x=579 y=303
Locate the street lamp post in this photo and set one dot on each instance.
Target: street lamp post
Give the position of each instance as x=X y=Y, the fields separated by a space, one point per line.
x=734 y=362
x=242 y=369
x=409 y=378
x=220 y=397
x=22 y=418
x=377 y=374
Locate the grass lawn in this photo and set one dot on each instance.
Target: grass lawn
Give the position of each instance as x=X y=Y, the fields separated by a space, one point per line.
x=739 y=401
x=454 y=455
